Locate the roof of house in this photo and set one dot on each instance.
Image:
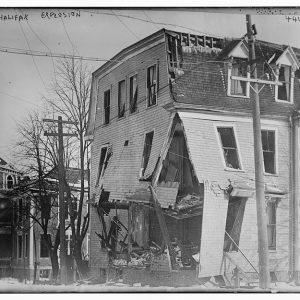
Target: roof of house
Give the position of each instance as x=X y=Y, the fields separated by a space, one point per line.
x=204 y=82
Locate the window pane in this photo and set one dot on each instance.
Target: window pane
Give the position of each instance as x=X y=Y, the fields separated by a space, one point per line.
x=151 y=85
x=121 y=99
x=229 y=147
x=284 y=77
x=101 y=163
x=227 y=137
x=133 y=93
x=147 y=150
x=271 y=225
x=44 y=249
x=239 y=68
x=20 y=241
x=268 y=146
x=269 y=162
x=106 y=107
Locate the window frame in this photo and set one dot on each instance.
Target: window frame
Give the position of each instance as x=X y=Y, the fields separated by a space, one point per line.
x=142 y=169
x=156 y=86
x=230 y=81
x=19 y=249
x=119 y=98
x=275 y=130
x=100 y=172
x=41 y=241
x=137 y=87
x=12 y=180
x=220 y=144
x=105 y=107
x=274 y=202
x=291 y=84
x=26 y=244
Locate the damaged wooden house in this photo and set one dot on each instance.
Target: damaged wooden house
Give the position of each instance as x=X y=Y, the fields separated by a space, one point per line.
x=172 y=159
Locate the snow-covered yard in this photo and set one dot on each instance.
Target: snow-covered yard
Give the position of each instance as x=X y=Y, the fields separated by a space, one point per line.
x=12 y=285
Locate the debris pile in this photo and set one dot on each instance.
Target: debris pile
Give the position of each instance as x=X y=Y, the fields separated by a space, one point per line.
x=188 y=202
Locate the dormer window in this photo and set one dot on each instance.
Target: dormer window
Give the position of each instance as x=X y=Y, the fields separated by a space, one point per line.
x=286 y=65
x=238 y=70
x=284 y=92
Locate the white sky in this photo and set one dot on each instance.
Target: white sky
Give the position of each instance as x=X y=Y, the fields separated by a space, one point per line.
x=24 y=82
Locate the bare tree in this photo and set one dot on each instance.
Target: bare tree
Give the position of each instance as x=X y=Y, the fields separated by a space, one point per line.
x=70 y=98
x=38 y=156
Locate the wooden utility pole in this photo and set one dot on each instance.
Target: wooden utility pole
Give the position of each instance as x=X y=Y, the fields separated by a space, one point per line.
x=61 y=176
x=263 y=251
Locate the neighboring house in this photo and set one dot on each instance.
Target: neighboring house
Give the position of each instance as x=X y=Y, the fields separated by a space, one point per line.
x=8 y=179
x=30 y=247
x=167 y=112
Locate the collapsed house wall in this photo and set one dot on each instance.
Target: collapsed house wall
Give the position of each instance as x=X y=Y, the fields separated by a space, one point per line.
x=204 y=149
x=126 y=135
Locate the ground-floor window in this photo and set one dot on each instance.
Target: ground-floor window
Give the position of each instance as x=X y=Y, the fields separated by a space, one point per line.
x=271 y=224
x=44 y=250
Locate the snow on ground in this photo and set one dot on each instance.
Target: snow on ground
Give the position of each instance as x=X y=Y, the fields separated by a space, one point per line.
x=12 y=285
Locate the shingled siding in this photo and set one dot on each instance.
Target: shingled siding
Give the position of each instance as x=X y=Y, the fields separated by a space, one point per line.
x=122 y=174
x=207 y=156
x=205 y=83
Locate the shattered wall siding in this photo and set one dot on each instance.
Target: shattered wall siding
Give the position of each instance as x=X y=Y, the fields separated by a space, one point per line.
x=121 y=177
x=206 y=153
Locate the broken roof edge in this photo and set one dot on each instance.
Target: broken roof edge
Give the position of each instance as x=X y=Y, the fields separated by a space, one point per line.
x=176 y=107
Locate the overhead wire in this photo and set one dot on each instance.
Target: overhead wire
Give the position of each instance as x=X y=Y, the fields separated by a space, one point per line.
x=68 y=36
x=34 y=62
x=38 y=37
x=147 y=21
x=21 y=51
x=124 y=24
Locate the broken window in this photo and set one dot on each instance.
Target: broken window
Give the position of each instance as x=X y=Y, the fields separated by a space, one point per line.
x=106 y=107
x=268 y=146
x=133 y=92
x=121 y=99
x=271 y=225
x=234 y=221
x=284 y=77
x=147 y=151
x=229 y=147
x=238 y=87
x=174 y=51
x=102 y=163
x=152 y=85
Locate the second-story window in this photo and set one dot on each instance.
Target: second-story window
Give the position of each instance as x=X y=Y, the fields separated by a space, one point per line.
x=238 y=87
x=152 y=85
x=268 y=147
x=284 y=90
x=106 y=107
x=229 y=146
x=133 y=93
x=121 y=99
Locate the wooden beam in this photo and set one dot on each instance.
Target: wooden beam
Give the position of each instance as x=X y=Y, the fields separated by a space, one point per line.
x=163 y=227
x=256 y=80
